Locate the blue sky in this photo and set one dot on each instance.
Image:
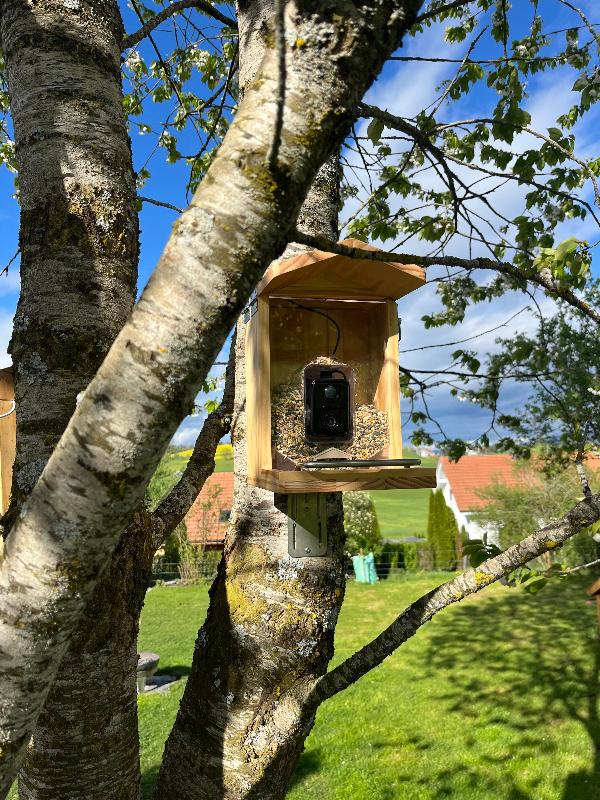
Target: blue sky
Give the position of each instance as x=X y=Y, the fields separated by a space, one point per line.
x=402 y=89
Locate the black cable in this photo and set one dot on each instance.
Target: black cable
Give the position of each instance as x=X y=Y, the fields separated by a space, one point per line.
x=323 y=314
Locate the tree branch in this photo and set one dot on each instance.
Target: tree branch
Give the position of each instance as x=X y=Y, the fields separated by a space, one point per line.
x=440 y=10
x=474 y=580
x=173 y=508
x=365 y=110
x=504 y=267
x=160 y=203
x=133 y=38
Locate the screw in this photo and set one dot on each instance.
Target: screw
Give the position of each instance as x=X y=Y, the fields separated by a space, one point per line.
x=307 y=549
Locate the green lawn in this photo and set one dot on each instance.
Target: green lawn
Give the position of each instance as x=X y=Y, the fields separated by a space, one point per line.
x=495 y=699
x=403 y=512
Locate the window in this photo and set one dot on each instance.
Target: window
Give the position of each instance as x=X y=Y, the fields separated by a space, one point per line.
x=224 y=515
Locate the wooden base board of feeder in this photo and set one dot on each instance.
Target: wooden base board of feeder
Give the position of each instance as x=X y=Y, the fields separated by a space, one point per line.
x=343 y=480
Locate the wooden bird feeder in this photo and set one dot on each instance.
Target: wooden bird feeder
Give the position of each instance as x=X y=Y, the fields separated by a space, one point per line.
x=326 y=325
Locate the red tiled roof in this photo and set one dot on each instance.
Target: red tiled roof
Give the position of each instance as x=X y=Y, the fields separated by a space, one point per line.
x=205 y=521
x=477 y=472
x=472 y=473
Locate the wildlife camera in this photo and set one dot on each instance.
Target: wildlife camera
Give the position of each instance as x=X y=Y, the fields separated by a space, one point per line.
x=328 y=403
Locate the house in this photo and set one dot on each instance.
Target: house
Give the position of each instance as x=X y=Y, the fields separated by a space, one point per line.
x=208 y=518
x=461 y=481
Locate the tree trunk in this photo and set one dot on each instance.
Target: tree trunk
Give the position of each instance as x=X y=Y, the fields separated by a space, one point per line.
x=79 y=248
x=86 y=741
x=269 y=630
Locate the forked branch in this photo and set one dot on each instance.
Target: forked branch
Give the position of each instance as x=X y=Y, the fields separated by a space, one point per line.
x=206 y=8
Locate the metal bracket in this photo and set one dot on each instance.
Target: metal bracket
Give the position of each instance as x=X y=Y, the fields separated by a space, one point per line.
x=307 y=525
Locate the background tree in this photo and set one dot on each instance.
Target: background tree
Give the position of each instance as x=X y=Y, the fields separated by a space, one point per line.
x=564 y=403
x=361 y=524
x=538 y=499
x=442 y=532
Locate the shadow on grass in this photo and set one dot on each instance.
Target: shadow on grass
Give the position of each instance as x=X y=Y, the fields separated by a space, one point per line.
x=541 y=661
x=310 y=762
x=177 y=669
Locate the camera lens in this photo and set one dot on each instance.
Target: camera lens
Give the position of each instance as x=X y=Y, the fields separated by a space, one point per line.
x=330 y=392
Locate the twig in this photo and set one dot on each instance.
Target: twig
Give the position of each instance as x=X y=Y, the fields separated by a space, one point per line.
x=281 y=80
x=580 y=566
x=440 y=10
x=160 y=203
x=166 y=69
x=6 y=268
x=469 y=338
x=421 y=611
x=420 y=138
x=147 y=28
x=201 y=465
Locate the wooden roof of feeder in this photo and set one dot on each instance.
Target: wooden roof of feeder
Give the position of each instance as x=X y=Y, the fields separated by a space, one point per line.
x=315 y=273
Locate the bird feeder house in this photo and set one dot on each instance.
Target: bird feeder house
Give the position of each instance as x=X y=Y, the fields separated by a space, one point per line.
x=322 y=376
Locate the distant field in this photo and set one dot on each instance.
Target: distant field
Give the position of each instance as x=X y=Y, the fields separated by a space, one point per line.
x=223 y=459
x=403 y=512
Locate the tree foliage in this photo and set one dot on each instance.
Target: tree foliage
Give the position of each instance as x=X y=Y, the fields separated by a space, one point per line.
x=538 y=499
x=361 y=523
x=564 y=352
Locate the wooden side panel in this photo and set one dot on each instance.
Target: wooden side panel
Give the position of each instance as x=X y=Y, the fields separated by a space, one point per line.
x=390 y=381
x=345 y=480
x=258 y=392
x=8 y=435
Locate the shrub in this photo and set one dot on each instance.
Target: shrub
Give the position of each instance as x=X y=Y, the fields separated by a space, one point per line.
x=442 y=532
x=361 y=524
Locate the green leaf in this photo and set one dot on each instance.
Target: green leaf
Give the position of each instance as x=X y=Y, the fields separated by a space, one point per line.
x=534 y=585
x=375 y=130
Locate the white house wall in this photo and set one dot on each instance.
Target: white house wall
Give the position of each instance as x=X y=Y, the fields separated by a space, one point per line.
x=463 y=518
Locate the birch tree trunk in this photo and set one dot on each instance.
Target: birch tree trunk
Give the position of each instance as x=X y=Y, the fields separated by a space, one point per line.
x=79 y=246
x=271 y=620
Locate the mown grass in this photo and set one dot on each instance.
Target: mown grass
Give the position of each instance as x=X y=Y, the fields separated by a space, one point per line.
x=495 y=699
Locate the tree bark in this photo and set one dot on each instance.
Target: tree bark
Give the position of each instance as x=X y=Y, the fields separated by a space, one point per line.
x=79 y=246
x=79 y=226
x=238 y=222
x=85 y=744
x=271 y=620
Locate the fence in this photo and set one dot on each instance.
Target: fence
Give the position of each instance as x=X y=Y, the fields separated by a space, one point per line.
x=206 y=570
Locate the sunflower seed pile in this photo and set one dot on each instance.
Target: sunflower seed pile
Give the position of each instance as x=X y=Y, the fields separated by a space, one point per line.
x=287 y=424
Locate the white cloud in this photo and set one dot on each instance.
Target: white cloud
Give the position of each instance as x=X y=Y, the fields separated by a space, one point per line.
x=6 y=324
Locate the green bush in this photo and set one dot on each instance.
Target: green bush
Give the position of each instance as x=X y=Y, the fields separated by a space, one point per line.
x=539 y=499
x=411 y=556
x=361 y=524
x=442 y=532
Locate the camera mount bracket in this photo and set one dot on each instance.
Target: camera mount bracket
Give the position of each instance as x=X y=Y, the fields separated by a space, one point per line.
x=307 y=525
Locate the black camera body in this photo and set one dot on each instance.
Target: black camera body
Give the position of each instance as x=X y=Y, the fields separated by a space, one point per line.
x=329 y=403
